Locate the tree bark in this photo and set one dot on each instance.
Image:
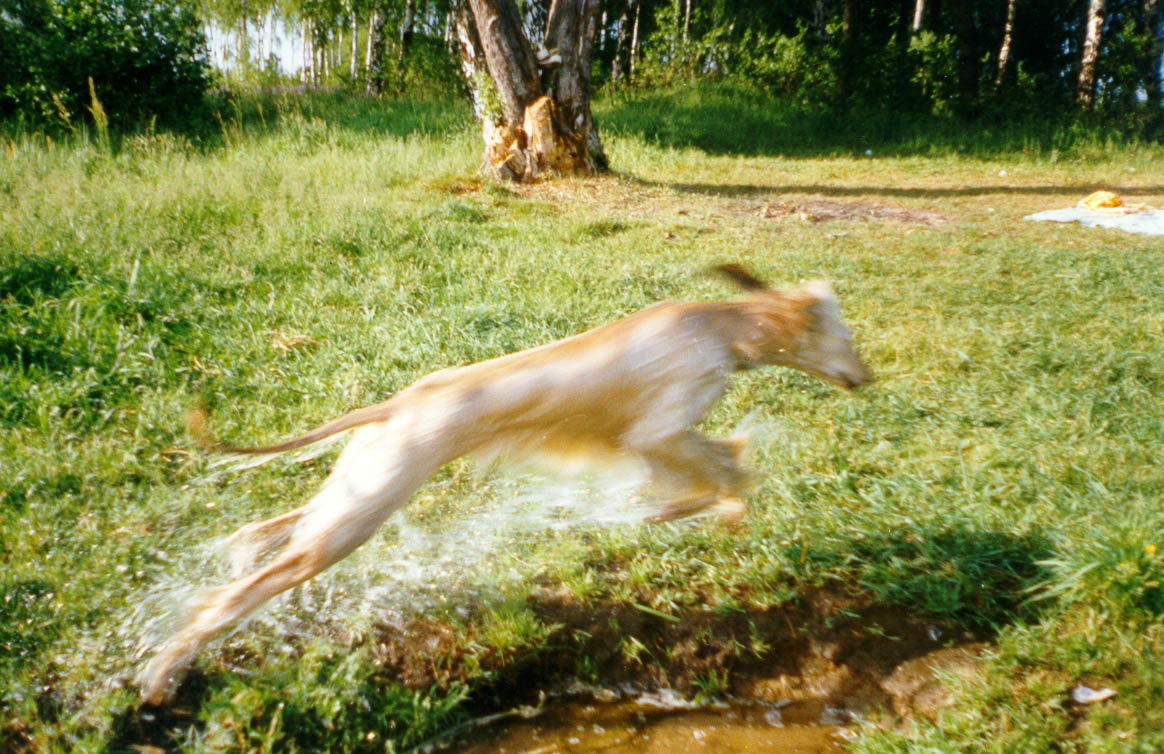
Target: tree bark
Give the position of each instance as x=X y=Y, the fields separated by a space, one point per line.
x=529 y=134
x=1004 y=48
x=919 y=9
x=1085 y=95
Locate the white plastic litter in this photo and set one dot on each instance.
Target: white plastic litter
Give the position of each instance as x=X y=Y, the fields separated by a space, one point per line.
x=1148 y=222
x=1085 y=695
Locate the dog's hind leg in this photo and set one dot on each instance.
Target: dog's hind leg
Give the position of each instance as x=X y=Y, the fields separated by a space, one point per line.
x=325 y=533
x=247 y=545
x=375 y=475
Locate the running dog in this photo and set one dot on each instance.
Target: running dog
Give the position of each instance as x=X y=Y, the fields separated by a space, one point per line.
x=634 y=387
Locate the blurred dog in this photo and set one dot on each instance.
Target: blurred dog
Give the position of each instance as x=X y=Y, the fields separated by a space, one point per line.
x=636 y=386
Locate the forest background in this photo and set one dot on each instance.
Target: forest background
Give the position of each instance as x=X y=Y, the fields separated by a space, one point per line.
x=1009 y=59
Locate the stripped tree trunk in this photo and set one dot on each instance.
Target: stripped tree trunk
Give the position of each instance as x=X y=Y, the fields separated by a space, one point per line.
x=1085 y=95
x=528 y=133
x=919 y=9
x=1007 y=39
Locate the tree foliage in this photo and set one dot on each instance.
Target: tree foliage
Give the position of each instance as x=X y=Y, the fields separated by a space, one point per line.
x=857 y=54
x=146 y=59
x=958 y=57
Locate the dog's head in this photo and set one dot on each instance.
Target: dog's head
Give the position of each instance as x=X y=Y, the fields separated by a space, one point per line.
x=800 y=328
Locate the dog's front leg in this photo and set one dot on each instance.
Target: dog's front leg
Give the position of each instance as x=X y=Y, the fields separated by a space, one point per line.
x=691 y=473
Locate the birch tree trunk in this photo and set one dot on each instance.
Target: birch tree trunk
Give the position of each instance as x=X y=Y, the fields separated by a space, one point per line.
x=406 y=30
x=308 y=52
x=355 y=68
x=919 y=9
x=634 y=48
x=686 y=26
x=374 y=69
x=620 y=63
x=1085 y=95
x=1004 y=48
x=528 y=133
x=372 y=20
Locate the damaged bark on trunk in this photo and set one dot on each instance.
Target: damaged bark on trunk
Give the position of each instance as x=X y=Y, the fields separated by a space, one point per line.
x=534 y=107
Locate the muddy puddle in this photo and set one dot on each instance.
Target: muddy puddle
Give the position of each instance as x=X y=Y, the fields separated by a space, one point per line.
x=656 y=724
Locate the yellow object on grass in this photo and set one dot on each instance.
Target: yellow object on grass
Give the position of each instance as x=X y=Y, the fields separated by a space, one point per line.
x=1106 y=201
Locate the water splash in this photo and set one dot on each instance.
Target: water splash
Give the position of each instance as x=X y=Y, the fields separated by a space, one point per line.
x=415 y=566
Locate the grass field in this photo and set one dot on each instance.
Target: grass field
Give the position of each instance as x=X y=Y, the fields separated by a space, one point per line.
x=1002 y=477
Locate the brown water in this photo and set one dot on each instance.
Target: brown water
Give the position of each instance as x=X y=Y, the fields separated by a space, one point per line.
x=642 y=727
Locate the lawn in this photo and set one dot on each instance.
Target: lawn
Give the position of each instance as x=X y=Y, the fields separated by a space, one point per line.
x=1000 y=480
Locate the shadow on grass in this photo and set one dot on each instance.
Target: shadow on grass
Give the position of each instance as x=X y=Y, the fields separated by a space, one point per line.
x=979 y=579
x=744 y=190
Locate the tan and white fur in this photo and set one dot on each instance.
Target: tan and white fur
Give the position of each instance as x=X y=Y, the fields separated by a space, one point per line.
x=636 y=386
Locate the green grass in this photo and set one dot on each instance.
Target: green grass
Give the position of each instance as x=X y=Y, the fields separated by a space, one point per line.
x=1004 y=472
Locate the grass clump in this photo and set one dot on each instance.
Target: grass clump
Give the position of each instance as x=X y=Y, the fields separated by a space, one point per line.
x=1001 y=476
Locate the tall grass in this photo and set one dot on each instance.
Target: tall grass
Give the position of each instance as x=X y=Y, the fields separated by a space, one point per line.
x=1003 y=472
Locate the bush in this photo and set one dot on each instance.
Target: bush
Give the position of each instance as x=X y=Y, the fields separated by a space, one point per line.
x=146 y=58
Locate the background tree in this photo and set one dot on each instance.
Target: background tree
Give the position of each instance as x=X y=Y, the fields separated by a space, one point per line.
x=1093 y=29
x=534 y=109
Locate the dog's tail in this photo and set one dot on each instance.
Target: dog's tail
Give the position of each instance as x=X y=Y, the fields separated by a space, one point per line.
x=196 y=426
x=740 y=276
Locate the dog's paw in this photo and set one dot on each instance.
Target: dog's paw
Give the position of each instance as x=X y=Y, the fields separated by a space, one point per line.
x=730 y=510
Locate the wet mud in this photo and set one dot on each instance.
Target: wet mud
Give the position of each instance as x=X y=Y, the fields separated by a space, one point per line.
x=825 y=646
x=647 y=725
x=825 y=660
x=797 y=675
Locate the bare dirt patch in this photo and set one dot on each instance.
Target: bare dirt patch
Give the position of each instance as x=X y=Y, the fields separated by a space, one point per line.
x=822 y=210
x=631 y=198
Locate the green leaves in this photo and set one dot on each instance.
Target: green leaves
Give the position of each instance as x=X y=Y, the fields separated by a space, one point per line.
x=125 y=62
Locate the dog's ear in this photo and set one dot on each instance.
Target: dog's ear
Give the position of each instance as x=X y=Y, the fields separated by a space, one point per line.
x=741 y=277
